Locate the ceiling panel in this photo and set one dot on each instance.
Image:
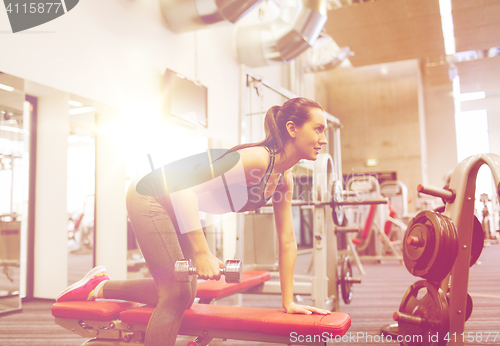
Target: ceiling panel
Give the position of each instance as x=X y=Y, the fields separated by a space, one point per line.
x=392 y=30
x=385 y=31
x=476 y=24
x=480 y=75
x=388 y=30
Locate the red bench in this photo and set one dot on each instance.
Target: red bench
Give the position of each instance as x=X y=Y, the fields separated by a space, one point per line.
x=210 y=290
x=117 y=323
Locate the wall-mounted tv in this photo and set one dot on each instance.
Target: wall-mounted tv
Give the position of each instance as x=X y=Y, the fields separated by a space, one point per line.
x=183 y=99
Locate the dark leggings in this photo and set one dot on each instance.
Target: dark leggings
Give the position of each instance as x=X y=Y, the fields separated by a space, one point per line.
x=162 y=245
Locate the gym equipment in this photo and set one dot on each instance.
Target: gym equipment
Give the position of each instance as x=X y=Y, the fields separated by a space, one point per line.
x=338 y=213
x=477 y=238
x=459 y=200
x=258 y=243
x=469 y=306
x=430 y=245
x=373 y=243
x=119 y=323
x=477 y=241
x=184 y=270
x=346 y=280
x=210 y=290
x=397 y=192
x=423 y=313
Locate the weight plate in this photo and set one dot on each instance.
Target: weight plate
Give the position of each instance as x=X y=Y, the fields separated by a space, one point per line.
x=477 y=238
x=345 y=284
x=430 y=245
x=469 y=306
x=337 y=210
x=477 y=241
x=424 y=300
x=448 y=250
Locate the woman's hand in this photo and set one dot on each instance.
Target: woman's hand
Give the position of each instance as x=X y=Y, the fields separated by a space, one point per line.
x=294 y=308
x=208 y=266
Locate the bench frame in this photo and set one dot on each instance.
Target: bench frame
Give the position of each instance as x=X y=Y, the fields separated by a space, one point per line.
x=118 y=333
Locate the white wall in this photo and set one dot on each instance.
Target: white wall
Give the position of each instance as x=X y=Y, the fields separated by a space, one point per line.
x=114 y=52
x=51 y=218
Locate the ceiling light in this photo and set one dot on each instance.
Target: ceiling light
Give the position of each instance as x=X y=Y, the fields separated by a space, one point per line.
x=75 y=103
x=447 y=26
x=472 y=96
x=11 y=129
x=74 y=111
x=6 y=87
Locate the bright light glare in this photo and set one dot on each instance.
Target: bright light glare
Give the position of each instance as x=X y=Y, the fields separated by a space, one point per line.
x=11 y=129
x=75 y=103
x=6 y=87
x=472 y=96
x=444 y=7
x=472 y=133
x=456 y=94
x=447 y=26
x=82 y=110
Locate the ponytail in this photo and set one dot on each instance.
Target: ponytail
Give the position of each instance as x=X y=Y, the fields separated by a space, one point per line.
x=295 y=110
x=271 y=129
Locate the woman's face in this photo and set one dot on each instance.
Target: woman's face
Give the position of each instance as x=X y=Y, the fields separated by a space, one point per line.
x=310 y=137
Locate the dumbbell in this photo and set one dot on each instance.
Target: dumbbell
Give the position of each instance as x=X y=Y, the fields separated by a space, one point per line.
x=184 y=269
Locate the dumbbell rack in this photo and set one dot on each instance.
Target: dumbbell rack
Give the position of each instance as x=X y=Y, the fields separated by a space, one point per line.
x=461 y=211
x=459 y=197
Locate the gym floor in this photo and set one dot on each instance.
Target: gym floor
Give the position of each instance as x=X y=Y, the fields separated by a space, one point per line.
x=373 y=304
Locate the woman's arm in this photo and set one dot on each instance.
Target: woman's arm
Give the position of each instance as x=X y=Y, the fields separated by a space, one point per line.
x=185 y=204
x=282 y=198
x=282 y=205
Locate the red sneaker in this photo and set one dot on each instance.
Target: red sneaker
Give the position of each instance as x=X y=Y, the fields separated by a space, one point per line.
x=81 y=290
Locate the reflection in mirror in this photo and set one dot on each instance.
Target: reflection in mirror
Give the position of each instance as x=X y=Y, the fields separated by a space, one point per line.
x=81 y=187
x=14 y=169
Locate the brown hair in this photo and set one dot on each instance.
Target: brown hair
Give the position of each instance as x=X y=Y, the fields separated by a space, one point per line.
x=295 y=110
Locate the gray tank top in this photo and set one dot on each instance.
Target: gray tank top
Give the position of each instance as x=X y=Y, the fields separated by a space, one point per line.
x=254 y=195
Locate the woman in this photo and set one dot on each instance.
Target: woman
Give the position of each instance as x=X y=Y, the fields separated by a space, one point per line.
x=168 y=228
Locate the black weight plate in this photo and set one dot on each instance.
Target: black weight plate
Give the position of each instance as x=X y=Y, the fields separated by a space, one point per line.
x=345 y=285
x=477 y=241
x=338 y=213
x=447 y=252
x=437 y=246
x=425 y=300
x=417 y=257
x=469 y=307
x=477 y=238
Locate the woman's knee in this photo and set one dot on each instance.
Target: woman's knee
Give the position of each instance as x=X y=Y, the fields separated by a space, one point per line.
x=181 y=298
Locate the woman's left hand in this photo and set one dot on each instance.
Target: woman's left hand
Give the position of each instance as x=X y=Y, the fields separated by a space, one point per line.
x=294 y=308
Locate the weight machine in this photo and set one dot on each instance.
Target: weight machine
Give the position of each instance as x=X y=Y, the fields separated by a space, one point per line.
x=372 y=239
x=328 y=199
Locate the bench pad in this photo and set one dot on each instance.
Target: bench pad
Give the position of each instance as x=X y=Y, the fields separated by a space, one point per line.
x=91 y=310
x=250 y=320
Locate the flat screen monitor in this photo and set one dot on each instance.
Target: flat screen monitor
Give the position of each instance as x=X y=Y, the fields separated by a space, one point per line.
x=183 y=98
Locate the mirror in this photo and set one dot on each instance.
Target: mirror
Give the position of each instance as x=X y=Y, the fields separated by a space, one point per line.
x=14 y=183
